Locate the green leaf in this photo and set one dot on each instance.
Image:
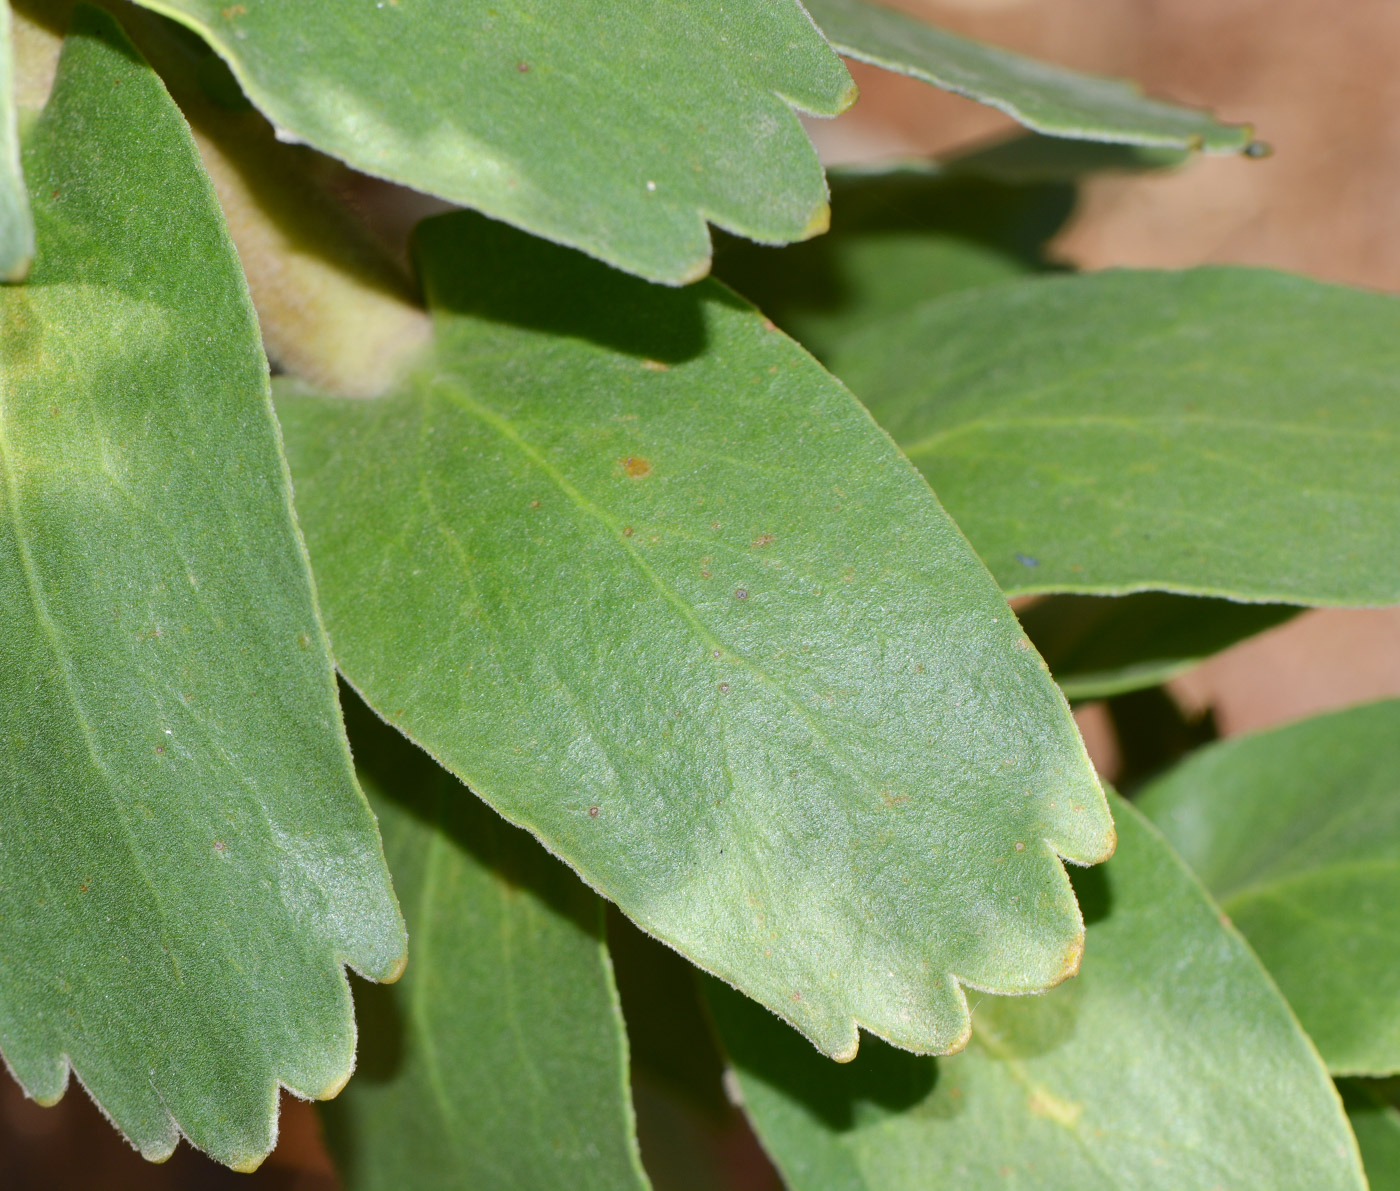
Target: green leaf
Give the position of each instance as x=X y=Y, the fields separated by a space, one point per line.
x=16 y=224
x=630 y=564
x=500 y=1059
x=898 y=238
x=1297 y=833
x=1376 y=1123
x=1225 y=432
x=619 y=130
x=1097 y=647
x=187 y=861
x=1048 y=99
x=1170 y=1062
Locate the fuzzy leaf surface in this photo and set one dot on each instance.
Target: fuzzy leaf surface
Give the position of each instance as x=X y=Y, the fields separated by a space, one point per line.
x=630 y=564
x=1223 y=432
x=1297 y=833
x=500 y=1059
x=617 y=126
x=186 y=860
x=16 y=223
x=1049 y=99
x=1170 y=1061
x=1097 y=647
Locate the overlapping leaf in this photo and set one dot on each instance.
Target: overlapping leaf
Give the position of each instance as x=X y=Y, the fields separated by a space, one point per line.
x=1097 y=647
x=1219 y=431
x=1171 y=1061
x=16 y=224
x=1297 y=833
x=185 y=859
x=634 y=567
x=500 y=1059
x=617 y=126
x=1376 y=1122
x=1046 y=98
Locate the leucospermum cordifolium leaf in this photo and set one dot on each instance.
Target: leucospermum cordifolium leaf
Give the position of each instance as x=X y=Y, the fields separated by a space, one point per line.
x=651 y=582
x=633 y=566
x=500 y=1059
x=1297 y=833
x=1170 y=1062
x=186 y=861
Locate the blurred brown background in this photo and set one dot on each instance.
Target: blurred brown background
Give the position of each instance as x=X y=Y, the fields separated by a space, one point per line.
x=1318 y=81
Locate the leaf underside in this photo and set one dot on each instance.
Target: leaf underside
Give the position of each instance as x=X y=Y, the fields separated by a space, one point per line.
x=1297 y=833
x=500 y=1059
x=1171 y=1061
x=16 y=224
x=186 y=861
x=633 y=567
x=618 y=129
x=1225 y=432
x=1046 y=98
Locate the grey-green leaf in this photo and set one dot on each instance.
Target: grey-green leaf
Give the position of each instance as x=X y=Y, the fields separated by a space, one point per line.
x=16 y=224
x=1170 y=1062
x=1046 y=98
x=500 y=1059
x=1297 y=833
x=633 y=566
x=186 y=860
x=1227 y=432
x=618 y=127
x=1098 y=647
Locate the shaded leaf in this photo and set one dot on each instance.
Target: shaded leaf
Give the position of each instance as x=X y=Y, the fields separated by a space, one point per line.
x=1046 y=98
x=1099 y=647
x=500 y=1059
x=186 y=860
x=1376 y=1123
x=635 y=568
x=1226 y=432
x=16 y=224
x=1171 y=1061
x=898 y=237
x=619 y=130
x=1297 y=833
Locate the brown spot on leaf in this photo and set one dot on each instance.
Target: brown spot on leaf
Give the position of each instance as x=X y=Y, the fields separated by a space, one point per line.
x=523 y=67
x=627 y=531
x=592 y=812
x=741 y=594
x=636 y=467
x=763 y=539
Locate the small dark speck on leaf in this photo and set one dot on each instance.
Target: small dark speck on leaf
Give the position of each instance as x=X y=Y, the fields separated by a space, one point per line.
x=220 y=846
x=741 y=594
x=1020 y=847
x=534 y=504
x=627 y=531
x=636 y=467
x=1026 y=560
x=763 y=539
x=717 y=653
x=523 y=67
x=160 y=748
x=724 y=688
x=592 y=812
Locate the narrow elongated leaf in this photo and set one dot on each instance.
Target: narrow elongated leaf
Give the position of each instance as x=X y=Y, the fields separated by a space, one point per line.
x=1297 y=832
x=1099 y=647
x=500 y=1059
x=634 y=567
x=617 y=126
x=1171 y=1061
x=185 y=859
x=899 y=237
x=1227 y=432
x=1376 y=1123
x=1048 y=99
x=16 y=223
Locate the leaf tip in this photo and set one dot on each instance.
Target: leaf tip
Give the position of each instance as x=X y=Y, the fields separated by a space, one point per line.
x=819 y=223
